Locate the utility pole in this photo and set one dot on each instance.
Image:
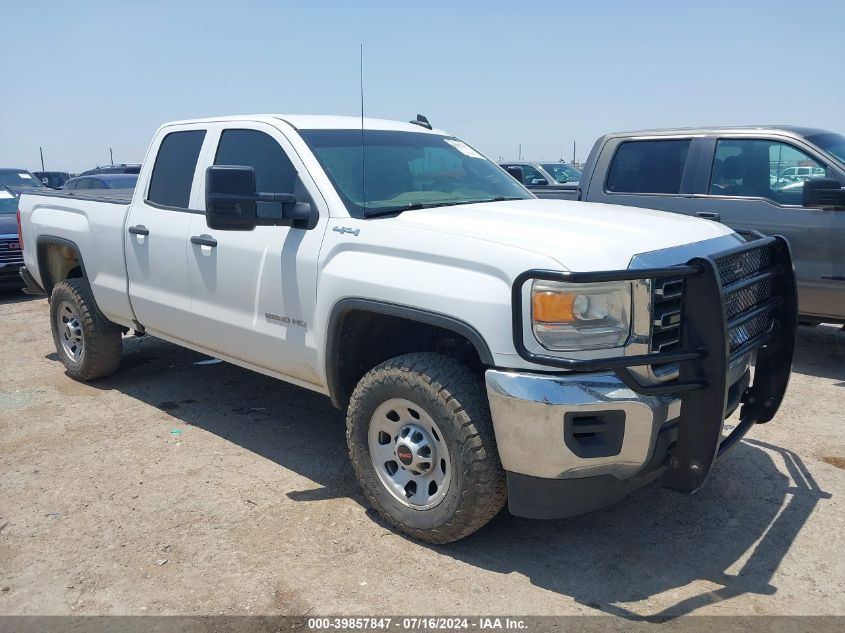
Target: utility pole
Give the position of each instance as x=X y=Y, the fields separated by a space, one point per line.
x=573 y=152
x=111 y=157
x=520 y=152
x=41 y=151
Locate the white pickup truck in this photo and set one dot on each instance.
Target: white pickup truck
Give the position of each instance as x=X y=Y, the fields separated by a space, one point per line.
x=488 y=346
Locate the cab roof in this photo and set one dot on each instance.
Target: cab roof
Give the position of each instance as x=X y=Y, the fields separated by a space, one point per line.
x=796 y=130
x=318 y=122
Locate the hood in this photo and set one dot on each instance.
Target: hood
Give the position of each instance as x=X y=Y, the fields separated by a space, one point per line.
x=581 y=236
x=8 y=224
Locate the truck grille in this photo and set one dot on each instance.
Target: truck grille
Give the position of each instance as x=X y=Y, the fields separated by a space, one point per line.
x=748 y=290
x=10 y=256
x=667 y=297
x=747 y=285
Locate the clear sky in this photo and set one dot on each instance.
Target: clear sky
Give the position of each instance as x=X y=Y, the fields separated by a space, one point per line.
x=79 y=77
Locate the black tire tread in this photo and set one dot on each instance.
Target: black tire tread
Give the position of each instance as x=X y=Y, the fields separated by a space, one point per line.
x=484 y=490
x=102 y=338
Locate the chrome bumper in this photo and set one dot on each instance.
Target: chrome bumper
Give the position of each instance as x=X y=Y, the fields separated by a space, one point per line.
x=537 y=418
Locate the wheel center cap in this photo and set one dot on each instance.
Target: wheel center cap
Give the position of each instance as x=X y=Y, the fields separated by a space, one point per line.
x=69 y=329
x=415 y=450
x=405 y=454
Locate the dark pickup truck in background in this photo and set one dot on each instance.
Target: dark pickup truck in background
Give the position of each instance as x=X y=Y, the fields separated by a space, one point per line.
x=775 y=180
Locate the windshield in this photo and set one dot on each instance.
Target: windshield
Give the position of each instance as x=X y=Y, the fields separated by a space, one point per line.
x=407 y=170
x=8 y=202
x=562 y=172
x=831 y=143
x=14 y=178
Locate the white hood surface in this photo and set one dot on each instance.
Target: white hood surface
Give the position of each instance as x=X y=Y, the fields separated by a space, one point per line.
x=581 y=236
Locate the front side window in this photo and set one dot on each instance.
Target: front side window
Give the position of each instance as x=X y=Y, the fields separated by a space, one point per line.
x=762 y=168
x=85 y=183
x=531 y=174
x=648 y=166
x=562 y=172
x=383 y=171
x=124 y=182
x=173 y=172
x=274 y=172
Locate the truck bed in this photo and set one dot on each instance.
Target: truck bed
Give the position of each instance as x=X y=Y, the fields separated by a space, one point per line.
x=91 y=223
x=112 y=196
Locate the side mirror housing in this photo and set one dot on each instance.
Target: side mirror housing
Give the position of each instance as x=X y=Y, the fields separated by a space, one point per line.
x=230 y=198
x=825 y=193
x=539 y=181
x=517 y=172
x=232 y=203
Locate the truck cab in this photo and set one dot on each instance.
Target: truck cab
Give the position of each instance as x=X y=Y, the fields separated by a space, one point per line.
x=746 y=177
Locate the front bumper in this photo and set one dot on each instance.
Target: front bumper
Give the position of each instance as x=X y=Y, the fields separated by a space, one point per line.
x=572 y=443
x=581 y=440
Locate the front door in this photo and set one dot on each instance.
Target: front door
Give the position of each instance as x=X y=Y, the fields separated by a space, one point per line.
x=253 y=293
x=758 y=184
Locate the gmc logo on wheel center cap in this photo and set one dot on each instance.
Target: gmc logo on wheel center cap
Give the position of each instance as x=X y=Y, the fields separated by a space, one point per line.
x=404 y=454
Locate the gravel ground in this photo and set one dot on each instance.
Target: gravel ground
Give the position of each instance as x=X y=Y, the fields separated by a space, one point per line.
x=183 y=488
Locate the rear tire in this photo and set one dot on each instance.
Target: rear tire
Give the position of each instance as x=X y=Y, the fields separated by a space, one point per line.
x=433 y=412
x=88 y=344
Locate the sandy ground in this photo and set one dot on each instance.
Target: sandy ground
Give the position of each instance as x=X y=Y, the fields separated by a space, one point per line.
x=184 y=488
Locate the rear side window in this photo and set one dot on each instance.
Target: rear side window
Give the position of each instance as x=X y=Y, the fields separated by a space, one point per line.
x=173 y=172
x=274 y=173
x=648 y=166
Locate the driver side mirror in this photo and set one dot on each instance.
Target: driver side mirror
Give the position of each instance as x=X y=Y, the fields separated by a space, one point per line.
x=825 y=193
x=231 y=202
x=539 y=181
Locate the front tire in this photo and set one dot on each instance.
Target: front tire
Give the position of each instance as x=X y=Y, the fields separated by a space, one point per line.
x=423 y=449
x=88 y=344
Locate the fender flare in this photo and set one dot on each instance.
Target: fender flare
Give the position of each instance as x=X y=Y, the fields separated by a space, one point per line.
x=41 y=254
x=343 y=307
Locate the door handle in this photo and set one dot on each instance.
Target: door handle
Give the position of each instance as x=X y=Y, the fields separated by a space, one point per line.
x=709 y=216
x=139 y=229
x=203 y=240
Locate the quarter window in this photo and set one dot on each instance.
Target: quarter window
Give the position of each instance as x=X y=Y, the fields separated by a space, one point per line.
x=274 y=172
x=648 y=166
x=173 y=172
x=762 y=168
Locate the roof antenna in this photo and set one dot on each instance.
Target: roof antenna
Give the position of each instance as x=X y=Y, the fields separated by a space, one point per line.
x=361 y=81
x=422 y=122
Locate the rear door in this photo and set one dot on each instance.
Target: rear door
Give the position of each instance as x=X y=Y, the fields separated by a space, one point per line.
x=758 y=183
x=254 y=292
x=650 y=172
x=157 y=234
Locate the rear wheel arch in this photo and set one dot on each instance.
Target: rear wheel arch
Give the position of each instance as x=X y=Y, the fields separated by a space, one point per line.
x=348 y=358
x=58 y=259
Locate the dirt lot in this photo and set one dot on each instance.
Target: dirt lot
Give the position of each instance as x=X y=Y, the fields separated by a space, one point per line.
x=184 y=488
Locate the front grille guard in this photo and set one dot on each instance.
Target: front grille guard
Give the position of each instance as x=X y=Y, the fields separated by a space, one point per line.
x=712 y=338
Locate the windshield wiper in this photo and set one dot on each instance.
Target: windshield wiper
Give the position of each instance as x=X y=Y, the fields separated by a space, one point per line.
x=374 y=213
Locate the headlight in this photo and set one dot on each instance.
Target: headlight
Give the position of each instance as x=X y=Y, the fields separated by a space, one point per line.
x=570 y=317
